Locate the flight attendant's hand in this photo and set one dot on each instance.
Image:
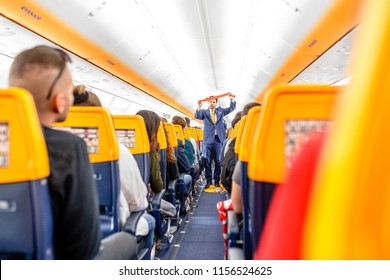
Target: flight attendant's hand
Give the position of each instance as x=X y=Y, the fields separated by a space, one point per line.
x=232 y=96
x=200 y=102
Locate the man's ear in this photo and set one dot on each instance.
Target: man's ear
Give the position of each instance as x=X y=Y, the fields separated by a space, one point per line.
x=59 y=103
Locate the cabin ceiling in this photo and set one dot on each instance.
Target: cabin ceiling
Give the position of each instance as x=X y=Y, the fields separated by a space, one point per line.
x=194 y=48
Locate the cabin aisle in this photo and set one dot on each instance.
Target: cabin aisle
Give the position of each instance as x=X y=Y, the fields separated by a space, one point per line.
x=202 y=236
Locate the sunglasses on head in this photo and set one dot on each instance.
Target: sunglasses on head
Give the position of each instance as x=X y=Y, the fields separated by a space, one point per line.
x=66 y=58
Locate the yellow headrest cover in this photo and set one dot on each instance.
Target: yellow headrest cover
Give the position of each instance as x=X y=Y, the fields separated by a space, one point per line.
x=240 y=134
x=236 y=129
x=179 y=133
x=170 y=129
x=23 y=153
x=161 y=137
x=187 y=133
x=95 y=126
x=201 y=135
x=252 y=121
x=288 y=115
x=131 y=132
x=193 y=133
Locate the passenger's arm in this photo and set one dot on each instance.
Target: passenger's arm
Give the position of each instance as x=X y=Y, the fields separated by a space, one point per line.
x=132 y=184
x=189 y=149
x=182 y=159
x=236 y=198
x=236 y=189
x=228 y=166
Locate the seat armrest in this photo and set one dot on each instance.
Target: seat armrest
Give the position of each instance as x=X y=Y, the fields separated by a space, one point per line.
x=172 y=186
x=132 y=221
x=233 y=228
x=156 y=200
x=171 y=191
x=236 y=254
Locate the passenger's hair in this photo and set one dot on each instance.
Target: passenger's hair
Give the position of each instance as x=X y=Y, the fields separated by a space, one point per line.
x=188 y=121
x=82 y=97
x=152 y=123
x=238 y=114
x=32 y=62
x=180 y=121
x=249 y=106
x=237 y=118
x=164 y=120
x=43 y=56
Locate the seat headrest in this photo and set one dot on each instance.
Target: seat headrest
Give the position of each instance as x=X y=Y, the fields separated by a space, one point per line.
x=132 y=133
x=161 y=137
x=23 y=153
x=95 y=126
x=288 y=114
x=170 y=129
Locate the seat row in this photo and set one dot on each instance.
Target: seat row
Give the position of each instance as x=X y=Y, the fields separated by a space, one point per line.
x=268 y=141
x=322 y=195
x=25 y=213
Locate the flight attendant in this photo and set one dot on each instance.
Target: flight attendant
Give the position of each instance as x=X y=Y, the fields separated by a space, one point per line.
x=214 y=135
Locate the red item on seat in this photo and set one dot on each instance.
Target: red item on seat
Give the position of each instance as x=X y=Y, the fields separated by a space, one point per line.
x=223 y=207
x=282 y=235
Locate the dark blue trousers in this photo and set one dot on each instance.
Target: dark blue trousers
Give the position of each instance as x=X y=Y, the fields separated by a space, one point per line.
x=212 y=152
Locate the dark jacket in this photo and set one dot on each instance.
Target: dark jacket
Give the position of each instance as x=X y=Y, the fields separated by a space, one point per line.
x=228 y=164
x=182 y=160
x=73 y=196
x=189 y=151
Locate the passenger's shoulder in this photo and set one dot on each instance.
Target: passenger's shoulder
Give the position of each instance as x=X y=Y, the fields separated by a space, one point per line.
x=232 y=143
x=124 y=153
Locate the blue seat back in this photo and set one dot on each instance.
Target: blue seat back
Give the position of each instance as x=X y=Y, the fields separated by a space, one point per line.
x=131 y=132
x=95 y=126
x=143 y=162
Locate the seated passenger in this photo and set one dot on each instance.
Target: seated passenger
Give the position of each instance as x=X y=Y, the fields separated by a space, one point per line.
x=152 y=123
x=193 y=141
x=228 y=169
x=43 y=71
x=229 y=159
x=172 y=167
x=236 y=187
x=133 y=194
x=225 y=143
x=194 y=166
x=186 y=158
